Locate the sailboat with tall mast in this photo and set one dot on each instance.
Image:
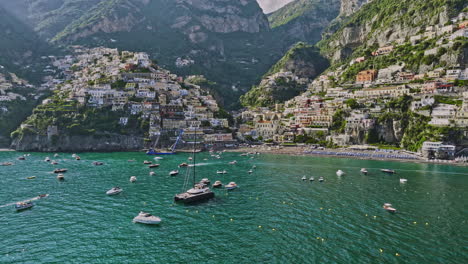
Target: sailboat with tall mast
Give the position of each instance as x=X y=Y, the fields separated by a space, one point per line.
x=198 y=192
x=172 y=150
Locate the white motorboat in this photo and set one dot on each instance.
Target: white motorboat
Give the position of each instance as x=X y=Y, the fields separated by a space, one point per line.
x=231 y=186
x=403 y=180
x=158 y=158
x=250 y=171
x=152 y=173
x=364 y=171
x=60 y=177
x=221 y=172
x=205 y=181
x=146 y=218
x=254 y=167
x=321 y=179
x=304 y=178
x=47 y=159
x=311 y=179
x=114 y=191
x=190 y=158
x=133 y=179
x=233 y=162
x=389 y=208
x=73 y=155
x=174 y=173
x=56 y=155
x=340 y=173
x=217 y=184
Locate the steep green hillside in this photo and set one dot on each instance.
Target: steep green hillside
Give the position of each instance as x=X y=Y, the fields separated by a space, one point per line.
x=283 y=80
x=20 y=47
x=303 y=20
x=384 y=21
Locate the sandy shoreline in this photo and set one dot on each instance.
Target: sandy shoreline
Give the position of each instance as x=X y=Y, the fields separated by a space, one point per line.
x=3 y=150
x=300 y=151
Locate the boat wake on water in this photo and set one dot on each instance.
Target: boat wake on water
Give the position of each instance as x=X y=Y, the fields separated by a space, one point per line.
x=30 y=199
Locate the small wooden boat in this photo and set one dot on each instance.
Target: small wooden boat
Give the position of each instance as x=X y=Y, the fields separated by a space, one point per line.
x=183 y=165
x=7 y=164
x=231 y=186
x=217 y=184
x=60 y=170
x=388 y=207
x=388 y=171
x=21 y=158
x=153 y=166
x=30 y=178
x=23 y=205
x=98 y=163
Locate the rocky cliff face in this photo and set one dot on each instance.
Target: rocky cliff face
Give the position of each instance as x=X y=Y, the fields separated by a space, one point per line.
x=304 y=20
x=380 y=23
x=349 y=7
x=113 y=142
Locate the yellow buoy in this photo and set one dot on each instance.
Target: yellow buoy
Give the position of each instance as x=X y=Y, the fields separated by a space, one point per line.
x=321 y=208
x=186 y=211
x=381 y=250
x=213 y=216
x=366 y=214
x=427 y=223
x=397 y=254
x=375 y=216
x=323 y=239
x=414 y=222
x=232 y=219
x=196 y=211
x=259 y=226
x=284 y=202
x=273 y=229
x=318 y=237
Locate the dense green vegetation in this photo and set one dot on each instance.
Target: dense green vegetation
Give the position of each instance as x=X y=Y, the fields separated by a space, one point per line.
x=302 y=60
x=292 y=11
x=382 y=14
x=72 y=118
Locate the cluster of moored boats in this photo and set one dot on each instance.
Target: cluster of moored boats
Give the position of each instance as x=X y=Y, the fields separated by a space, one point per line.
x=387 y=206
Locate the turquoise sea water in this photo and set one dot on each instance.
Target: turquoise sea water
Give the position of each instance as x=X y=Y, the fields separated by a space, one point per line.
x=274 y=217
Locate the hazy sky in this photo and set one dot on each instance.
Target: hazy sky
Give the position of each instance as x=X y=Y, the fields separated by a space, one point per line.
x=272 y=5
